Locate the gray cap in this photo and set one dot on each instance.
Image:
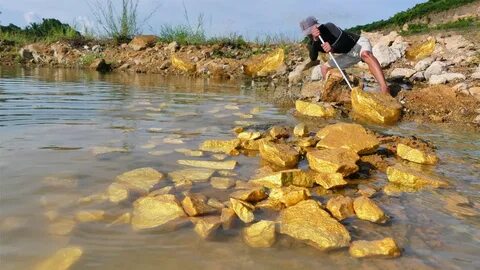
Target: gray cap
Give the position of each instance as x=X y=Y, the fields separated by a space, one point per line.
x=307 y=25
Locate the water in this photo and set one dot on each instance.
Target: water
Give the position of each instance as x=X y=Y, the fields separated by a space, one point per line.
x=51 y=121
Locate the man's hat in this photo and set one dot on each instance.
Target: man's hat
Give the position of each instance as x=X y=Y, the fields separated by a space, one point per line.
x=307 y=25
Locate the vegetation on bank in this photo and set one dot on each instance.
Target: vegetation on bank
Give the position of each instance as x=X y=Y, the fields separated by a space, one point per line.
x=459 y=24
x=418 y=11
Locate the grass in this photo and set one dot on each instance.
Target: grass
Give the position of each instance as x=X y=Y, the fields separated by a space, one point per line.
x=88 y=58
x=418 y=11
x=455 y=25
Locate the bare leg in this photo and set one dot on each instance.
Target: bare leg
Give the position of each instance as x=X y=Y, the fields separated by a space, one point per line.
x=325 y=70
x=376 y=70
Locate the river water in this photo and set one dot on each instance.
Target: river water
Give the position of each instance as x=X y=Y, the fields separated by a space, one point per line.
x=53 y=123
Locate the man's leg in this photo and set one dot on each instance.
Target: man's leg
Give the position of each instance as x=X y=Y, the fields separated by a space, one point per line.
x=325 y=68
x=375 y=69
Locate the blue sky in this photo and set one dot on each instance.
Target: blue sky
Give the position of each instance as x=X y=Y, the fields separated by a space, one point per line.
x=250 y=18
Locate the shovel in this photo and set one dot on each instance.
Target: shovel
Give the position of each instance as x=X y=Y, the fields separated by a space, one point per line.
x=335 y=61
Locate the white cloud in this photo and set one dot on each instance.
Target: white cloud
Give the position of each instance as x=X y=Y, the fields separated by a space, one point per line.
x=84 y=24
x=31 y=17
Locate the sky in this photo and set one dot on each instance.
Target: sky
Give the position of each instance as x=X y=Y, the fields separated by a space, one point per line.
x=250 y=18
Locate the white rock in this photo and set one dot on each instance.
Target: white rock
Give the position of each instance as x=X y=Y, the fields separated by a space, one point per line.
x=445 y=77
x=424 y=64
x=461 y=87
x=477 y=120
x=173 y=47
x=437 y=79
x=436 y=68
x=389 y=54
x=418 y=76
x=456 y=42
x=317 y=73
x=475 y=76
x=402 y=72
x=388 y=39
x=475 y=92
x=296 y=75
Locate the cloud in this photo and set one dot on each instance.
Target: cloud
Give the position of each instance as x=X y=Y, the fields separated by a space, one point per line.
x=84 y=24
x=31 y=17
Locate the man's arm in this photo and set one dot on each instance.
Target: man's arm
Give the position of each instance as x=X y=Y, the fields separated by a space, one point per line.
x=314 y=47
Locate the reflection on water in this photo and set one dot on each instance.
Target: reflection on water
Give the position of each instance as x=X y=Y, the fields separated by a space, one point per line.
x=89 y=128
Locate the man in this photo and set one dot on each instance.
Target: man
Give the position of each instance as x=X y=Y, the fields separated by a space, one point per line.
x=351 y=47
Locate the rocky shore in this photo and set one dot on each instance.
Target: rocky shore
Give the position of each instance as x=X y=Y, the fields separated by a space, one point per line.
x=436 y=78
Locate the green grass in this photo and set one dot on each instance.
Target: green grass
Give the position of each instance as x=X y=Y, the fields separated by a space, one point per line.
x=455 y=25
x=418 y=11
x=88 y=58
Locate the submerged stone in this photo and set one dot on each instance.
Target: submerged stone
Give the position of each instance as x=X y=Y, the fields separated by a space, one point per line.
x=243 y=210
x=323 y=110
x=416 y=155
x=281 y=155
x=63 y=259
x=260 y=234
x=376 y=107
x=151 y=212
x=194 y=175
x=330 y=161
x=189 y=152
x=220 y=146
x=341 y=207
x=222 y=182
x=349 y=136
x=85 y=216
x=380 y=248
x=125 y=218
x=216 y=165
x=250 y=195
x=215 y=203
x=62 y=226
x=117 y=192
x=227 y=218
x=196 y=205
x=290 y=195
x=100 y=150
x=368 y=210
x=141 y=180
x=205 y=227
x=409 y=177
x=249 y=135
x=300 y=130
x=57 y=181
x=306 y=221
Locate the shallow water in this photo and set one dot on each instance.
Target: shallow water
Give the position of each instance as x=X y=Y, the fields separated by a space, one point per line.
x=52 y=121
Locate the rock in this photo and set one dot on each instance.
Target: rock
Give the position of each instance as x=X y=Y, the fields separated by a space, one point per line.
x=456 y=42
x=278 y=132
x=376 y=107
x=217 y=165
x=193 y=175
x=182 y=65
x=59 y=52
x=97 y=48
x=341 y=207
x=206 y=226
x=249 y=135
x=32 y=52
x=219 y=146
x=290 y=195
x=85 y=216
x=196 y=205
x=445 y=77
x=243 y=210
x=402 y=72
x=296 y=75
x=260 y=234
x=416 y=155
x=476 y=120
x=423 y=64
x=250 y=195
x=62 y=226
x=333 y=161
x=366 y=209
x=306 y=221
x=173 y=47
x=63 y=259
x=306 y=142
x=409 y=177
x=117 y=192
x=461 y=87
x=379 y=248
x=300 y=130
x=215 y=203
x=316 y=73
x=281 y=155
x=151 y=212
x=311 y=89
x=142 y=42
x=141 y=180
x=388 y=54
x=419 y=76
x=189 y=152
x=328 y=180
x=227 y=218
x=475 y=75
x=475 y=92
x=436 y=68
x=222 y=182
x=100 y=150
x=125 y=218
x=277 y=179
x=323 y=110
x=348 y=136
x=60 y=181
x=100 y=65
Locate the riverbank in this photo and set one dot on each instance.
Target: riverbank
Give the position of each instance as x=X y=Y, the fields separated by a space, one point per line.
x=438 y=82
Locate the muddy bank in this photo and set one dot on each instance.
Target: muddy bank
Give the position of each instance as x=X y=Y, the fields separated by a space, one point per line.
x=435 y=77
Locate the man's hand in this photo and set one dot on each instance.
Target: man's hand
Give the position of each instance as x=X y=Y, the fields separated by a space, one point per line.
x=315 y=33
x=326 y=47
